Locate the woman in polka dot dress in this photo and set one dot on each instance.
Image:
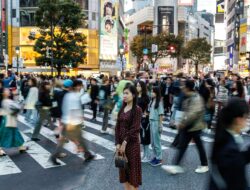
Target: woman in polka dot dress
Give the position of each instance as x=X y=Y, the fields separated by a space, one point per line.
x=127 y=139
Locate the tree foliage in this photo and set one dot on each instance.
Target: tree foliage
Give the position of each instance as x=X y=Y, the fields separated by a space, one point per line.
x=69 y=45
x=199 y=51
x=164 y=42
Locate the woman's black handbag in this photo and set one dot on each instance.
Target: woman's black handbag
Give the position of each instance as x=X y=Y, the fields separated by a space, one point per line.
x=121 y=161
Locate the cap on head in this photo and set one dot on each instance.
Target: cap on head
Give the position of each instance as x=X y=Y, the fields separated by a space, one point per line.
x=68 y=83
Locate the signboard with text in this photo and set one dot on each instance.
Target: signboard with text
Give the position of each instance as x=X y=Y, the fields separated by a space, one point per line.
x=109 y=30
x=166 y=19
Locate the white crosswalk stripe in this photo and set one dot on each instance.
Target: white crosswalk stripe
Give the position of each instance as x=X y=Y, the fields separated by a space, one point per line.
x=166 y=138
x=41 y=155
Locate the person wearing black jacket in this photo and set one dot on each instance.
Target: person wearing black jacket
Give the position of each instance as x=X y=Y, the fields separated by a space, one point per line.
x=44 y=105
x=228 y=160
x=106 y=102
x=166 y=93
x=94 y=96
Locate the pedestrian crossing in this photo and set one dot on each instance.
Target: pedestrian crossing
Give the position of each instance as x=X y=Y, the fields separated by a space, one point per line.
x=91 y=134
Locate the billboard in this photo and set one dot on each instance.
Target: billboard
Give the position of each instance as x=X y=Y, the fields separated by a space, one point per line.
x=220 y=6
x=185 y=2
x=109 y=30
x=165 y=19
x=3 y=16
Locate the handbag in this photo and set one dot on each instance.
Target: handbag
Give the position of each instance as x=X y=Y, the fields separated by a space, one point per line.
x=121 y=161
x=85 y=99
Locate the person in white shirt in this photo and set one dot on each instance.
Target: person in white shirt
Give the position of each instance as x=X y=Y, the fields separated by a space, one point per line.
x=72 y=119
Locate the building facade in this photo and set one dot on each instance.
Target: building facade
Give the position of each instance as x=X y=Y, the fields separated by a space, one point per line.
x=18 y=21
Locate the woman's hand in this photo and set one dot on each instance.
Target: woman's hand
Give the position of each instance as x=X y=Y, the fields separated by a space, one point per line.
x=123 y=147
x=118 y=148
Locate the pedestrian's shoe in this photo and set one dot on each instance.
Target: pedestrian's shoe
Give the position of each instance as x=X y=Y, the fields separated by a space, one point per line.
x=54 y=161
x=23 y=149
x=93 y=120
x=156 y=162
x=103 y=132
x=2 y=153
x=89 y=158
x=35 y=139
x=152 y=161
x=174 y=169
x=62 y=155
x=202 y=169
x=145 y=160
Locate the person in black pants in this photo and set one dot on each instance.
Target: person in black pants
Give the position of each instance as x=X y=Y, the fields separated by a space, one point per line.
x=94 y=96
x=190 y=127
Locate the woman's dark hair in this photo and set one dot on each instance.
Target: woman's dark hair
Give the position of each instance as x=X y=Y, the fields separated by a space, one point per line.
x=236 y=107
x=33 y=81
x=133 y=91
x=157 y=92
x=77 y=83
x=109 y=5
x=240 y=88
x=143 y=88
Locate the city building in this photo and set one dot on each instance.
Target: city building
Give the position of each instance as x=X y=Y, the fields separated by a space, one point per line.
x=233 y=15
x=18 y=21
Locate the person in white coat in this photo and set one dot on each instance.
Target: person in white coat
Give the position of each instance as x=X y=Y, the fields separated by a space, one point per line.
x=31 y=100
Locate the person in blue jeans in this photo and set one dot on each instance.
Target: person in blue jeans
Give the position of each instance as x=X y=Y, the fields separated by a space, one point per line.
x=156 y=112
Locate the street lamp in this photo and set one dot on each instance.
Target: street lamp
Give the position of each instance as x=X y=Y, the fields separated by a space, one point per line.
x=121 y=51
x=17 y=61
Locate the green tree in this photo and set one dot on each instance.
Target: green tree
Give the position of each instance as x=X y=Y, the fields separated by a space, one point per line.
x=199 y=51
x=58 y=22
x=164 y=42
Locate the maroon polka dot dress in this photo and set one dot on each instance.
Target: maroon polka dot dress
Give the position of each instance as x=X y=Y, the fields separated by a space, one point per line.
x=130 y=133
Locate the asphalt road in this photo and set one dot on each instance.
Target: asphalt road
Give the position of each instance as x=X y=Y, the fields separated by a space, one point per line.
x=30 y=171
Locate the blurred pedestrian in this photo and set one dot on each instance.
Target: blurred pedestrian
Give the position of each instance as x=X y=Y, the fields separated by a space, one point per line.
x=190 y=127
x=228 y=160
x=94 y=93
x=72 y=119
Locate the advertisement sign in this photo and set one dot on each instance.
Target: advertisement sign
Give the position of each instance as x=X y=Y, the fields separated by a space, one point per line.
x=25 y=32
x=165 y=19
x=28 y=55
x=220 y=6
x=3 y=14
x=243 y=36
x=186 y=2
x=109 y=30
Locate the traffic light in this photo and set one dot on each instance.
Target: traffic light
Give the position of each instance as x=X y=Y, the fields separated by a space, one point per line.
x=171 y=49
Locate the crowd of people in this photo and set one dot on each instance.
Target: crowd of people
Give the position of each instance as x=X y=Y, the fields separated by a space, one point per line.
x=139 y=104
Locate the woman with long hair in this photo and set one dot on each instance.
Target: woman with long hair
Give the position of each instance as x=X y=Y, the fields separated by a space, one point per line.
x=143 y=101
x=127 y=138
x=10 y=135
x=238 y=89
x=228 y=160
x=156 y=112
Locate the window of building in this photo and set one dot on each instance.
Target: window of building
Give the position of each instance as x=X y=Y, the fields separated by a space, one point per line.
x=29 y=3
x=93 y=16
x=13 y=13
x=27 y=18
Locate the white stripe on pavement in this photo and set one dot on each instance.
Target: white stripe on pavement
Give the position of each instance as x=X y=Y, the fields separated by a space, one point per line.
x=7 y=166
x=70 y=146
x=39 y=154
x=110 y=131
x=165 y=129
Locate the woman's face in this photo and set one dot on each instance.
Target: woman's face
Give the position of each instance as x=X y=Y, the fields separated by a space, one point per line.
x=239 y=124
x=138 y=87
x=127 y=96
x=30 y=82
x=109 y=11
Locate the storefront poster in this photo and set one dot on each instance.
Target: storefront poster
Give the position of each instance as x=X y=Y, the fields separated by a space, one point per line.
x=109 y=30
x=165 y=19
